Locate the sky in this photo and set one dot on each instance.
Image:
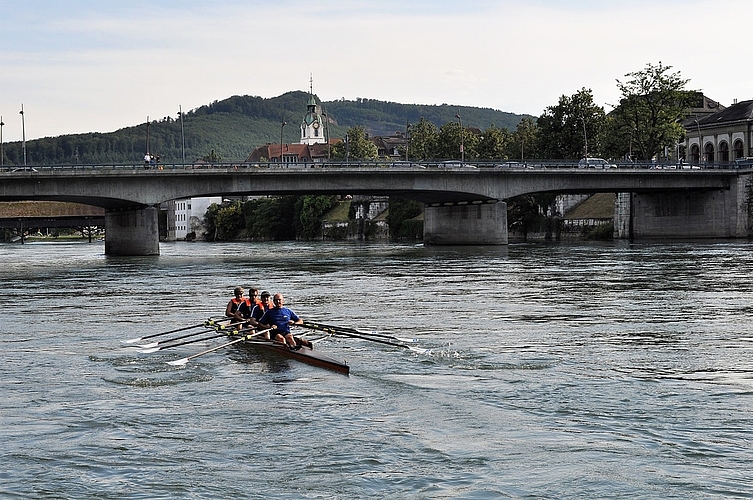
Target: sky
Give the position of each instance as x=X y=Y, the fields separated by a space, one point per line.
x=97 y=66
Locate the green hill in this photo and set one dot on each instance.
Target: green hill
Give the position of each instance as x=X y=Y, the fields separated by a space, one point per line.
x=233 y=127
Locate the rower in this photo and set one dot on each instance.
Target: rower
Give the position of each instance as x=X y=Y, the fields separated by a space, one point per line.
x=238 y=309
x=235 y=302
x=243 y=312
x=257 y=311
x=279 y=318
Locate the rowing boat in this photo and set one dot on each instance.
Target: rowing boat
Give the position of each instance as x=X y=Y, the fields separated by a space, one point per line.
x=303 y=354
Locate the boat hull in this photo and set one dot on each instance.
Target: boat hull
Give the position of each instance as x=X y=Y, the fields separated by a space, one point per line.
x=304 y=355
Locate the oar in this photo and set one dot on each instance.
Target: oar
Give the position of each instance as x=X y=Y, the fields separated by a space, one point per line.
x=375 y=334
x=183 y=361
x=209 y=322
x=359 y=332
x=221 y=327
x=386 y=342
x=155 y=349
x=357 y=336
x=167 y=341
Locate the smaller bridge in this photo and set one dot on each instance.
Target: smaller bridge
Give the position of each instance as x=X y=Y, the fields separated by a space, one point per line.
x=23 y=215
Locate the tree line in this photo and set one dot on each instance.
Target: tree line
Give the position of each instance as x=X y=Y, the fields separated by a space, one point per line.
x=644 y=125
x=280 y=218
x=232 y=128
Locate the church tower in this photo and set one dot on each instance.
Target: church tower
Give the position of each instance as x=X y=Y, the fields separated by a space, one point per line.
x=312 y=127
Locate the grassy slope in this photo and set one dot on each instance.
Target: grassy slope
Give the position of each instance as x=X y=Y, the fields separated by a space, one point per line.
x=598 y=206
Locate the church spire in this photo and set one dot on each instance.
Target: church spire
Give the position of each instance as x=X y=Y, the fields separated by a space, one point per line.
x=312 y=131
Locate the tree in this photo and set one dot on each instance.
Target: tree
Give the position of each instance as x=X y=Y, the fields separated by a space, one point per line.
x=532 y=212
x=356 y=146
x=271 y=218
x=423 y=140
x=311 y=208
x=450 y=139
x=524 y=142
x=212 y=157
x=399 y=219
x=494 y=144
x=223 y=222
x=647 y=120
x=571 y=129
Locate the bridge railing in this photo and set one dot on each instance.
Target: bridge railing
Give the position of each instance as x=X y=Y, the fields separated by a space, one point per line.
x=382 y=164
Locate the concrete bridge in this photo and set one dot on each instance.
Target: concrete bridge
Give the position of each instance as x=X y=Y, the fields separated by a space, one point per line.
x=464 y=205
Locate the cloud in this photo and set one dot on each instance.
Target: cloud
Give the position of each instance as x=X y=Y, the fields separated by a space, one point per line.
x=79 y=67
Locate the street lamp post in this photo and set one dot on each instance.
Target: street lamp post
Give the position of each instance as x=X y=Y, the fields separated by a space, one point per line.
x=23 y=132
x=700 y=141
x=407 y=139
x=630 y=148
x=147 y=135
x=2 y=157
x=462 y=137
x=585 y=137
x=282 y=127
x=182 y=135
x=326 y=133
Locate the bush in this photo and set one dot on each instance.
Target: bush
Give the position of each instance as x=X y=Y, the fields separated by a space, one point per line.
x=602 y=232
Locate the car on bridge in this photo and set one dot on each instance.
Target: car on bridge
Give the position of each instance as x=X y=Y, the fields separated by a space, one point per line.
x=406 y=164
x=595 y=163
x=454 y=164
x=513 y=164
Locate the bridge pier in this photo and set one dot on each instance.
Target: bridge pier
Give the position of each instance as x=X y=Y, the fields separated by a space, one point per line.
x=720 y=213
x=483 y=224
x=132 y=232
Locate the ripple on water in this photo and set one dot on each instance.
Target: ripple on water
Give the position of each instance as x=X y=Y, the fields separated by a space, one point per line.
x=562 y=371
x=151 y=372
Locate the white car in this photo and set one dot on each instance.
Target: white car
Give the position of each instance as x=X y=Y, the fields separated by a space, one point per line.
x=513 y=164
x=454 y=164
x=595 y=163
x=405 y=164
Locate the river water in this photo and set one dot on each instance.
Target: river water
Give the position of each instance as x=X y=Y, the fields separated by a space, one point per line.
x=556 y=371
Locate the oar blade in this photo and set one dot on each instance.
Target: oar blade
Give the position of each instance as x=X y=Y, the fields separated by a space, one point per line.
x=148 y=346
x=419 y=350
x=178 y=362
x=153 y=349
x=132 y=341
x=409 y=341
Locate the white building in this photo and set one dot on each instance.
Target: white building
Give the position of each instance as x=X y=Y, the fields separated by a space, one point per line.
x=185 y=216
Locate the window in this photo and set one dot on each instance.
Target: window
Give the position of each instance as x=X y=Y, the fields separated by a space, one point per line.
x=737 y=149
x=723 y=151
x=708 y=153
x=695 y=155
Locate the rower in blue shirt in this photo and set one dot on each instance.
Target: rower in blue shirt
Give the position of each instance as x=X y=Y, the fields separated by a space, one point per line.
x=279 y=319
